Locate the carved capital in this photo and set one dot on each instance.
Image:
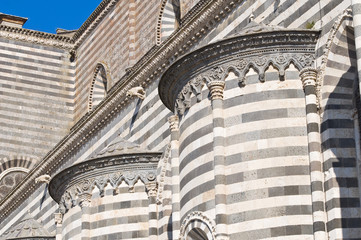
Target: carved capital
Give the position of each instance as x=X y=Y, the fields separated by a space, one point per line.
x=308 y=76
x=152 y=189
x=216 y=89
x=173 y=123
x=58 y=218
x=85 y=199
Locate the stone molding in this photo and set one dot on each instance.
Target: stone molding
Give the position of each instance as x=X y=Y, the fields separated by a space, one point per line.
x=159 y=21
x=97 y=69
x=163 y=162
x=203 y=18
x=197 y=216
x=71 y=185
x=36 y=37
x=213 y=63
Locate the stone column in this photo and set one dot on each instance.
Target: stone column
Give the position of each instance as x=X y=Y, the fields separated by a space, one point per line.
x=216 y=90
x=174 y=129
x=308 y=77
x=58 y=223
x=153 y=211
x=84 y=203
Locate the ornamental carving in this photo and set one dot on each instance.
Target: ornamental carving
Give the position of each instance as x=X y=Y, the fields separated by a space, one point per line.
x=240 y=67
x=146 y=70
x=26 y=35
x=279 y=48
x=80 y=193
x=204 y=223
x=163 y=165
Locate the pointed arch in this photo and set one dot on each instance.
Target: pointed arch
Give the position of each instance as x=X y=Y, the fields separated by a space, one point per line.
x=168 y=19
x=99 y=85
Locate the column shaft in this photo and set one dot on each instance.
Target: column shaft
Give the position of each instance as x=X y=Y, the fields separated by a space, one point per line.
x=308 y=77
x=174 y=122
x=85 y=201
x=153 y=211
x=216 y=90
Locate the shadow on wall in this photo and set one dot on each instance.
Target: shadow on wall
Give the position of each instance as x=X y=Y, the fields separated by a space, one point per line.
x=338 y=140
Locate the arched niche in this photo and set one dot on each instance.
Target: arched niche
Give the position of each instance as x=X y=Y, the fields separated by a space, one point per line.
x=168 y=19
x=197 y=226
x=99 y=86
x=10 y=178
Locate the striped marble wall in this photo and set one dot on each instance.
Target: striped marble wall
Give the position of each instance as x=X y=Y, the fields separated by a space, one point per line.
x=145 y=122
x=196 y=159
x=37 y=98
x=268 y=181
x=124 y=35
x=338 y=136
x=121 y=216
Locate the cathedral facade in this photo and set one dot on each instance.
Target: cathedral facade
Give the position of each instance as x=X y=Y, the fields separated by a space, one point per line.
x=183 y=119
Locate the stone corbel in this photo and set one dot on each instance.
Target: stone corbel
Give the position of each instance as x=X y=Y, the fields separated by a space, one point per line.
x=43 y=179
x=137 y=92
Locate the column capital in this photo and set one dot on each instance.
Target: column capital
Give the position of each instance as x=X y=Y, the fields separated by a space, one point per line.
x=152 y=189
x=173 y=123
x=84 y=199
x=58 y=218
x=308 y=76
x=216 y=89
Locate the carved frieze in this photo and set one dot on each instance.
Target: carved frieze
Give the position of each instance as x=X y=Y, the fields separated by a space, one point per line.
x=212 y=63
x=74 y=185
x=36 y=37
x=239 y=67
x=80 y=192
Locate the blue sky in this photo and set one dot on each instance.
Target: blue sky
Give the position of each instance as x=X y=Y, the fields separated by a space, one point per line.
x=48 y=15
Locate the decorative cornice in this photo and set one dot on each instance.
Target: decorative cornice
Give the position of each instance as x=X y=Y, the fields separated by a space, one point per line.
x=92 y=22
x=98 y=172
x=212 y=63
x=148 y=69
x=60 y=41
x=36 y=37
